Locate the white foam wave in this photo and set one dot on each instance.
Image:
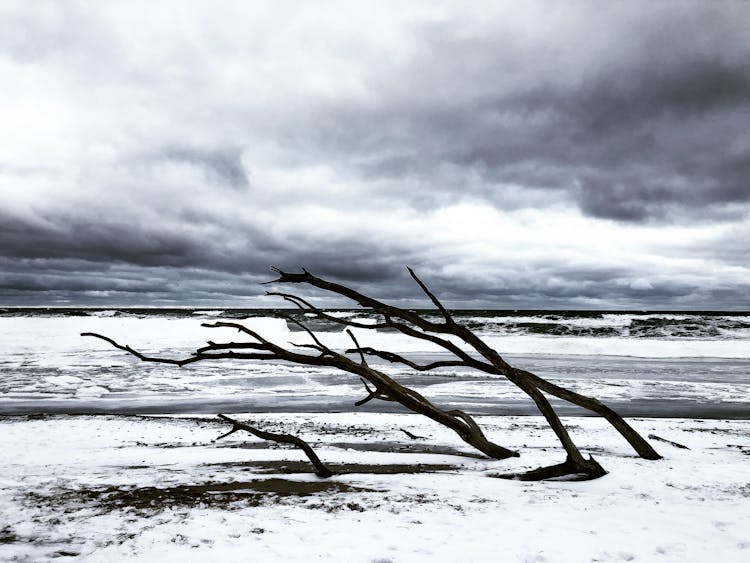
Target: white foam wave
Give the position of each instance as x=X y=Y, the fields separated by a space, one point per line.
x=108 y=313
x=55 y=341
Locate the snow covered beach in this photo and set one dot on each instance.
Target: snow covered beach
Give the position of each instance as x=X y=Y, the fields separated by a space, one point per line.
x=124 y=485
x=113 y=488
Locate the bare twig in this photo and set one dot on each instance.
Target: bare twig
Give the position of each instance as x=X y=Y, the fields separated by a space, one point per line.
x=435 y=301
x=143 y=357
x=670 y=442
x=412 y=436
x=358 y=348
x=308 y=331
x=396 y=358
x=376 y=393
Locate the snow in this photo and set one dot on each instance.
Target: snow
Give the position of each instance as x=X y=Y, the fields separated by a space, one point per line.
x=158 y=488
x=78 y=488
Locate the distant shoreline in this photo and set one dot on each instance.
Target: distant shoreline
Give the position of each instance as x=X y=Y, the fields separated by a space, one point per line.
x=256 y=311
x=682 y=410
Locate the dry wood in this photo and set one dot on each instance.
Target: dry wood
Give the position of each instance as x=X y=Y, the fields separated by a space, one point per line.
x=670 y=442
x=411 y=434
x=474 y=353
x=320 y=469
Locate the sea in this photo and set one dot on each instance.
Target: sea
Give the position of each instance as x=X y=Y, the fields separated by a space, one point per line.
x=642 y=363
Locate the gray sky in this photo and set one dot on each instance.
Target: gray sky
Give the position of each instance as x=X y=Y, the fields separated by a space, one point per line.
x=517 y=155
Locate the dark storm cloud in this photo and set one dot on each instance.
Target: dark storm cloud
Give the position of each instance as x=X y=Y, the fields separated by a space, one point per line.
x=31 y=282
x=98 y=241
x=652 y=127
x=550 y=284
x=224 y=165
x=145 y=164
x=140 y=244
x=135 y=263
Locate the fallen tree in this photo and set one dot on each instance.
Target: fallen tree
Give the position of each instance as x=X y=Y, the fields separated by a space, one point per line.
x=473 y=353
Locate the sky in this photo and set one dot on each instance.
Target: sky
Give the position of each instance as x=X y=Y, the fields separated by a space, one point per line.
x=517 y=155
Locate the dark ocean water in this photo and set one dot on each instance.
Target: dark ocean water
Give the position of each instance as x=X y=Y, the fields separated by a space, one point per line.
x=633 y=324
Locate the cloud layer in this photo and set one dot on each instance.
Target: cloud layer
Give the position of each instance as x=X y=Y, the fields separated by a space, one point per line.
x=577 y=155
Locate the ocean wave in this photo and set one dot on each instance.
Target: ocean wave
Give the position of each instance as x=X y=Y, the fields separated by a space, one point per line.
x=647 y=325
x=632 y=334
x=209 y=313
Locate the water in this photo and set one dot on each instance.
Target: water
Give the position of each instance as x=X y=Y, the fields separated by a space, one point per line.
x=641 y=363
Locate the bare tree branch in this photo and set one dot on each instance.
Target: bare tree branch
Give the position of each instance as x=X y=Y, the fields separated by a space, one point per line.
x=376 y=393
x=318 y=344
x=670 y=442
x=469 y=350
x=411 y=435
x=385 y=387
x=320 y=469
x=230 y=346
x=306 y=306
x=358 y=349
x=435 y=300
x=396 y=358
x=494 y=363
x=361 y=299
x=143 y=357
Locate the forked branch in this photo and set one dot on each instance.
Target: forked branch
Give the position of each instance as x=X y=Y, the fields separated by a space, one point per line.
x=483 y=357
x=384 y=387
x=466 y=348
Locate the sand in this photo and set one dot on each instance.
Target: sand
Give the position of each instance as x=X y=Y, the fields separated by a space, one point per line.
x=140 y=488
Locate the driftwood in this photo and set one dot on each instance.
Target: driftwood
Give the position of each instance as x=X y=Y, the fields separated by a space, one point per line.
x=320 y=469
x=474 y=353
x=670 y=442
x=411 y=435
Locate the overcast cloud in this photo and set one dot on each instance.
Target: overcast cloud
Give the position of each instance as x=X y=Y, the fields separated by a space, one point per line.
x=518 y=155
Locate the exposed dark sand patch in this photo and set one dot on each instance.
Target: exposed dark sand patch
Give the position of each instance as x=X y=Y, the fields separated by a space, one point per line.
x=374 y=446
x=742 y=432
x=625 y=454
x=242 y=493
x=293 y=467
x=7 y=535
x=400 y=447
